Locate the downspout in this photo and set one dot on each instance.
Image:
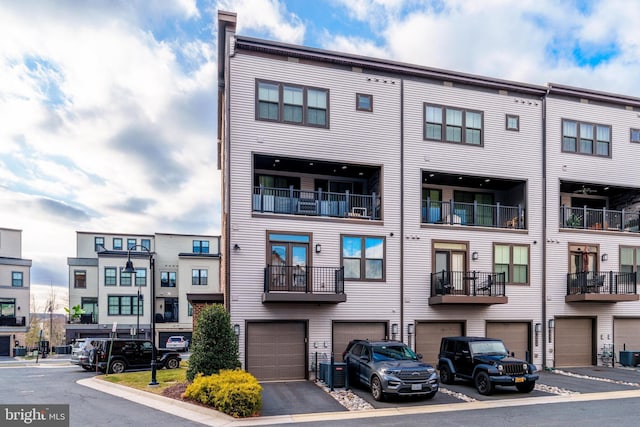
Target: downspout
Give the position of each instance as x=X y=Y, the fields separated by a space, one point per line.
x=544 y=229
x=402 y=210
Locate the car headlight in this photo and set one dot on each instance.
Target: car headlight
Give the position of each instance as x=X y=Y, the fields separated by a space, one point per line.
x=525 y=367
x=431 y=371
x=388 y=371
x=500 y=368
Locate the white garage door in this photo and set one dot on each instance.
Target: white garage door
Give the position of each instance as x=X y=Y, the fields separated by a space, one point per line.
x=516 y=336
x=626 y=334
x=277 y=350
x=343 y=332
x=429 y=335
x=573 y=344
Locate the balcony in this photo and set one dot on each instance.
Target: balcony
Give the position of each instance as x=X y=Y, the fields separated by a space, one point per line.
x=12 y=321
x=303 y=284
x=84 y=319
x=290 y=201
x=467 y=287
x=599 y=219
x=473 y=214
x=608 y=287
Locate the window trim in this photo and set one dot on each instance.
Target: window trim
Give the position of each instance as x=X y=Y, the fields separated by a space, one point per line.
x=133 y=246
x=131 y=298
x=517 y=119
x=199 y=270
x=115 y=270
x=595 y=140
x=96 y=244
x=14 y=280
x=198 y=246
x=169 y=273
x=509 y=280
x=443 y=124
x=367 y=96
x=305 y=104
x=117 y=248
x=637 y=132
x=75 y=279
x=363 y=258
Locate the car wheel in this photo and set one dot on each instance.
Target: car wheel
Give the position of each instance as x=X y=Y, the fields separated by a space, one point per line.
x=376 y=389
x=117 y=367
x=87 y=368
x=172 y=363
x=483 y=383
x=526 y=387
x=430 y=395
x=446 y=377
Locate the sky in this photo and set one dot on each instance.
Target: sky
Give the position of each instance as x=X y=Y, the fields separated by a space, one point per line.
x=108 y=107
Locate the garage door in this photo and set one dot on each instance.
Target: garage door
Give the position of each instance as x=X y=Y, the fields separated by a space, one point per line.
x=5 y=346
x=573 y=342
x=515 y=335
x=626 y=334
x=276 y=350
x=343 y=332
x=429 y=335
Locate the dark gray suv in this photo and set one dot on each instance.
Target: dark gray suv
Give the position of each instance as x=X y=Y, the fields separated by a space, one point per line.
x=390 y=367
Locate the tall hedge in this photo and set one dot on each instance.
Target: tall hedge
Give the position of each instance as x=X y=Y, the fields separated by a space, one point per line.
x=214 y=345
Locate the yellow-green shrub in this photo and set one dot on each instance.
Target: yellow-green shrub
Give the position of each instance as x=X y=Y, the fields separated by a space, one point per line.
x=234 y=392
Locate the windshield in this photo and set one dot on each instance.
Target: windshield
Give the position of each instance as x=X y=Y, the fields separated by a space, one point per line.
x=488 y=347
x=393 y=352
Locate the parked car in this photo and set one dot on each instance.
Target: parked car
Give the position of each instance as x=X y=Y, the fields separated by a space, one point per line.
x=390 y=367
x=80 y=352
x=119 y=355
x=177 y=343
x=486 y=362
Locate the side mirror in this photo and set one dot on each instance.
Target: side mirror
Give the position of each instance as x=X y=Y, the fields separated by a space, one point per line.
x=512 y=354
x=419 y=355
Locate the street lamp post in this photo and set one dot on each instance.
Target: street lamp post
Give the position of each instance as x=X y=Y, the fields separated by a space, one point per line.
x=131 y=270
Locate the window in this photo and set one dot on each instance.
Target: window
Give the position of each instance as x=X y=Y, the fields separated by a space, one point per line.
x=199 y=277
x=168 y=279
x=117 y=243
x=131 y=244
x=364 y=102
x=629 y=259
x=124 y=305
x=513 y=122
x=200 y=246
x=79 y=279
x=635 y=135
x=189 y=309
x=586 y=138
x=99 y=244
x=452 y=124
x=8 y=307
x=363 y=257
x=125 y=278
x=17 y=279
x=146 y=243
x=110 y=276
x=281 y=102
x=141 y=277
x=513 y=260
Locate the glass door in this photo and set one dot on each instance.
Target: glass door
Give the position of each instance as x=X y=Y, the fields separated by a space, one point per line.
x=289 y=263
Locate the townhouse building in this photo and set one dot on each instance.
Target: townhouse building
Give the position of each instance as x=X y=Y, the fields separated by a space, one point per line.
x=366 y=198
x=15 y=281
x=183 y=269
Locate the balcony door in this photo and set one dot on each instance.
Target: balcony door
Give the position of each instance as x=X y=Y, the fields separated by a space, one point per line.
x=452 y=259
x=289 y=262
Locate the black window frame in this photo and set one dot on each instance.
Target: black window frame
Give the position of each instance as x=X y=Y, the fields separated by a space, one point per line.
x=17 y=282
x=511 y=128
x=166 y=283
x=464 y=129
x=117 y=247
x=76 y=282
x=113 y=270
x=131 y=246
x=200 y=277
x=578 y=138
x=135 y=307
x=509 y=277
x=281 y=104
x=366 y=96
x=363 y=258
x=634 y=135
x=200 y=246
x=98 y=243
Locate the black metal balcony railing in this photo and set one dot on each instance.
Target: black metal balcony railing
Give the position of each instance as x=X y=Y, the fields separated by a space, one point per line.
x=469 y=283
x=12 y=321
x=478 y=214
x=591 y=282
x=599 y=219
x=315 y=203
x=304 y=279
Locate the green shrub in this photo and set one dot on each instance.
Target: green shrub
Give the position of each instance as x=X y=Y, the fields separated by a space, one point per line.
x=234 y=392
x=215 y=345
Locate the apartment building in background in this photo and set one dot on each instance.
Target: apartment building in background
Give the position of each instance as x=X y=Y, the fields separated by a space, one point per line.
x=184 y=270
x=367 y=198
x=15 y=280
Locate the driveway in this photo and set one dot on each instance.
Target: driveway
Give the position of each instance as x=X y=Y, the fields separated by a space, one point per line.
x=296 y=397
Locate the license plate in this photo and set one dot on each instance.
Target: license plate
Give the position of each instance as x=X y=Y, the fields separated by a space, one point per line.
x=416 y=386
x=520 y=380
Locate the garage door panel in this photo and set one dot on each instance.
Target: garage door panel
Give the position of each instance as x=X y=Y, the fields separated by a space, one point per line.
x=626 y=334
x=343 y=332
x=573 y=342
x=429 y=335
x=5 y=346
x=276 y=351
x=515 y=335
